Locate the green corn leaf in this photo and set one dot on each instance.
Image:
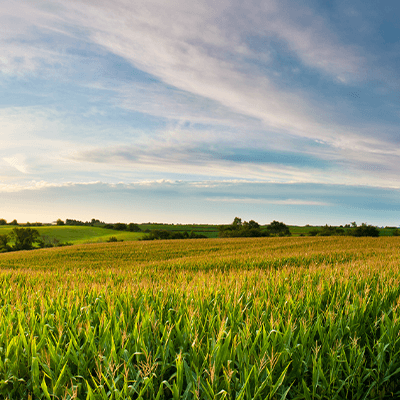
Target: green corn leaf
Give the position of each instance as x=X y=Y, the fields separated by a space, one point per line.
x=45 y=390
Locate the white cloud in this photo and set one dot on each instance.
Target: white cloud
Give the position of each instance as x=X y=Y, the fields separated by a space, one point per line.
x=288 y=202
x=41 y=185
x=309 y=36
x=17 y=161
x=201 y=48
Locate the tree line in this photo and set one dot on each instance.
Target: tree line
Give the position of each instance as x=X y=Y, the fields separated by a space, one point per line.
x=26 y=239
x=158 y=234
x=119 y=226
x=29 y=238
x=14 y=222
x=252 y=229
x=347 y=230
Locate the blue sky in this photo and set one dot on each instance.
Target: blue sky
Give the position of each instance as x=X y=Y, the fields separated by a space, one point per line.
x=200 y=112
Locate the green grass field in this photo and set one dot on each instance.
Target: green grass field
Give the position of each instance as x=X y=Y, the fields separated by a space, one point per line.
x=79 y=234
x=210 y=231
x=93 y=234
x=268 y=318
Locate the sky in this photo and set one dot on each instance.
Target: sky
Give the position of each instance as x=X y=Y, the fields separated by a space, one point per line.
x=200 y=111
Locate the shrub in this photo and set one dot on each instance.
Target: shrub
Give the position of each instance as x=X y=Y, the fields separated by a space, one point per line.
x=162 y=234
x=47 y=241
x=239 y=229
x=24 y=238
x=277 y=228
x=134 y=227
x=365 y=230
x=119 y=226
x=4 y=243
x=328 y=230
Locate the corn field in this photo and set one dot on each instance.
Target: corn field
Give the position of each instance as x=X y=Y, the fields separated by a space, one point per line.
x=268 y=318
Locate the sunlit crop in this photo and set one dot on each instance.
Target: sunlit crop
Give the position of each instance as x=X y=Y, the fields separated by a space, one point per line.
x=268 y=318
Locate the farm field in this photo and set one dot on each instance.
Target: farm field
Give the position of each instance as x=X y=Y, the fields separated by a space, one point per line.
x=78 y=234
x=262 y=318
x=210 y=231
x=95 y=234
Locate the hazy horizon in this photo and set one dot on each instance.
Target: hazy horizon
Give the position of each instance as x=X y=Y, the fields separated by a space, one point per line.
x=199 y=112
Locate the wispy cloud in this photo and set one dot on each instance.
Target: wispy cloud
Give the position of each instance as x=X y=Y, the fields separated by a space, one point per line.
x=270 y=92
x=18 y=162
x=201 y=51
x=288 y=202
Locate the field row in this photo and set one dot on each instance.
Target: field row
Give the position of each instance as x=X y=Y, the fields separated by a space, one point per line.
x=271 y=318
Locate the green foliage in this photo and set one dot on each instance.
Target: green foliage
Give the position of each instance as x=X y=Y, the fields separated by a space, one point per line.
x=13 y=222
x=239 y=229
x=4 y=246
x=283 y=318
x=365 y=230
x=114 y=239
x=396 y=232
x=33 y=224
x=47 y=241
x=210 y=231
x=160 y=234
x=24 y=238
x=83 y=234
x=277 y=228
x=74 y=222
x=96 y=222
x=328 y=230
x=60 y=222
x=133 y=227
x=93 y=222
x=3 y=221
x=353 y=230
x=120 y=226
x=108 y=226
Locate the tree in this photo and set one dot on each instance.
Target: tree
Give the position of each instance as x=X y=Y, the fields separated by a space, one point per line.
x=241 y=229
x=3 y=221
x=119 y=226
x=133 y=227
x=329 y=230
x=47 y=241
x=254 y=225
x=4 y=243
x=14 y=222
x=60 y=222
x=237 y=222
x=162 y=234
x=366 y=230
x=24 y=238
x=278 y=228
